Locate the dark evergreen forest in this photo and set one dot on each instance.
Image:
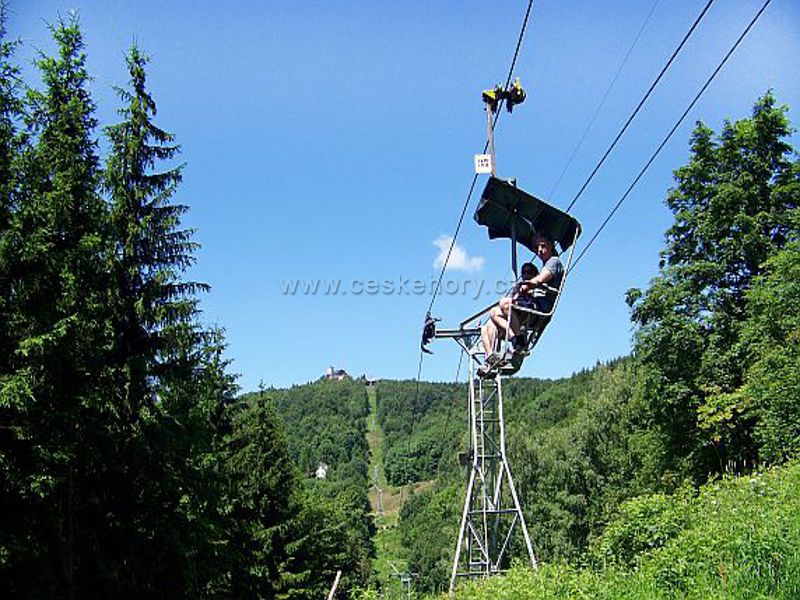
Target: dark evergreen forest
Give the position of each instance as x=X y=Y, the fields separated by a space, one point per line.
x=128 y=466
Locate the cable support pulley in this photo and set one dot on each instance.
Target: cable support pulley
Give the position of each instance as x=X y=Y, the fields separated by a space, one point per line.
x=472 y=187
x=485 y=147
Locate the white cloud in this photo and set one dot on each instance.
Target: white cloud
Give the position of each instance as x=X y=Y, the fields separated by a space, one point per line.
x=459 y=259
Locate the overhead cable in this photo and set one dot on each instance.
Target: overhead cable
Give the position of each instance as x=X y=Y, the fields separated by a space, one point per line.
x=602 y=101
x=485 y=147
x=671 y=132
x=641 y=103
x=449 y=410
x=471 y=189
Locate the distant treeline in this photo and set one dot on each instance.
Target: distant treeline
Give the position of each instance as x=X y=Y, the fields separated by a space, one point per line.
x=128 y=467
x=712 y=387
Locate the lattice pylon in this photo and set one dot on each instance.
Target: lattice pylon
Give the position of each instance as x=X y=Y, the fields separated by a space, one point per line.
x=492 y=512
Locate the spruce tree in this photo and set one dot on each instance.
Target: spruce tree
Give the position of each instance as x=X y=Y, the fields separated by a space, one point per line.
x=55 y=252
x=10 y=114
x=158 y=309
x=170 y=382
x=10 y=147
x=261 y=485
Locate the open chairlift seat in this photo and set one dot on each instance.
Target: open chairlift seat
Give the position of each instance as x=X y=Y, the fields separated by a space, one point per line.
x=511 y=213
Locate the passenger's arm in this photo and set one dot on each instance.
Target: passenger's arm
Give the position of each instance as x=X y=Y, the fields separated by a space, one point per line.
x=543 y=277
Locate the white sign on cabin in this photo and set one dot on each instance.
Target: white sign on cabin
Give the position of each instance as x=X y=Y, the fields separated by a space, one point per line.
x=483 y=163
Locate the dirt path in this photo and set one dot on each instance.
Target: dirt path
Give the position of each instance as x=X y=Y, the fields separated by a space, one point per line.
x=384 y=499
x=386 y=502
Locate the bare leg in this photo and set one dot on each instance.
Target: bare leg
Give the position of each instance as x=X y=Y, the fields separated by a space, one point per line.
x=499 y=315
x=490 y=330
x=488 y=336
x=498 y=320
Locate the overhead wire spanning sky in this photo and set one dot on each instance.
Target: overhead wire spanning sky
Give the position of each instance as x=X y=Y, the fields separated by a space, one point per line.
x=333 y=142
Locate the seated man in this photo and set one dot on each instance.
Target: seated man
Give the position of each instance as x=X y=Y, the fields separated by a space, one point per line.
x=552 y=273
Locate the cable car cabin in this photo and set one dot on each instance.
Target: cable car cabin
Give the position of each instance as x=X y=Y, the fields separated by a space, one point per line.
x=511 y=213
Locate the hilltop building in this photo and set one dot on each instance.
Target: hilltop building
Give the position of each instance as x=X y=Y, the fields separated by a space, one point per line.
x=337 y=374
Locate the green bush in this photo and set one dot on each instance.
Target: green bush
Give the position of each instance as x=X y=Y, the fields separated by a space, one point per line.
x=644 y=523
x=737 y=538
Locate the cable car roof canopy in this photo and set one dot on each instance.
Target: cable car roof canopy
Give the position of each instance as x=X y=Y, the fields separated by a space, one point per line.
x=511 y=213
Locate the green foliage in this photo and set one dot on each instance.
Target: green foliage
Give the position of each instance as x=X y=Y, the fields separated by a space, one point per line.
x=642 y=524
x=325 y=422
x=732 y=206
x=738 y=538
x=712 y=386
x=165 y=375
x=261 y=482
x=425 y=428
x=423 y=425
x=11 y=111
x=576 y=453
x=772 y=336
x=10 y=116
x=51 y=407
x=572 y=452
x=428 y=529
x=323 y=538
x=127 y=466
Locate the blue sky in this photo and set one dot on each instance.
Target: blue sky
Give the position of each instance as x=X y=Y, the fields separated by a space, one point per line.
x=335 y=141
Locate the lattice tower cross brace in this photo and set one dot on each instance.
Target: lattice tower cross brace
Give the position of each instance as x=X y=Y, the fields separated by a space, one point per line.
x=492 y=510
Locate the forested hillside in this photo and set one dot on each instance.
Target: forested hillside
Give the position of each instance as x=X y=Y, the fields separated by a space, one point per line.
x=326 y=424
x=536 y=412
x=423 y=426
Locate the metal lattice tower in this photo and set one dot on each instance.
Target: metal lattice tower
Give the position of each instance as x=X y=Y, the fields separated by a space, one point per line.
x=492 y=512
